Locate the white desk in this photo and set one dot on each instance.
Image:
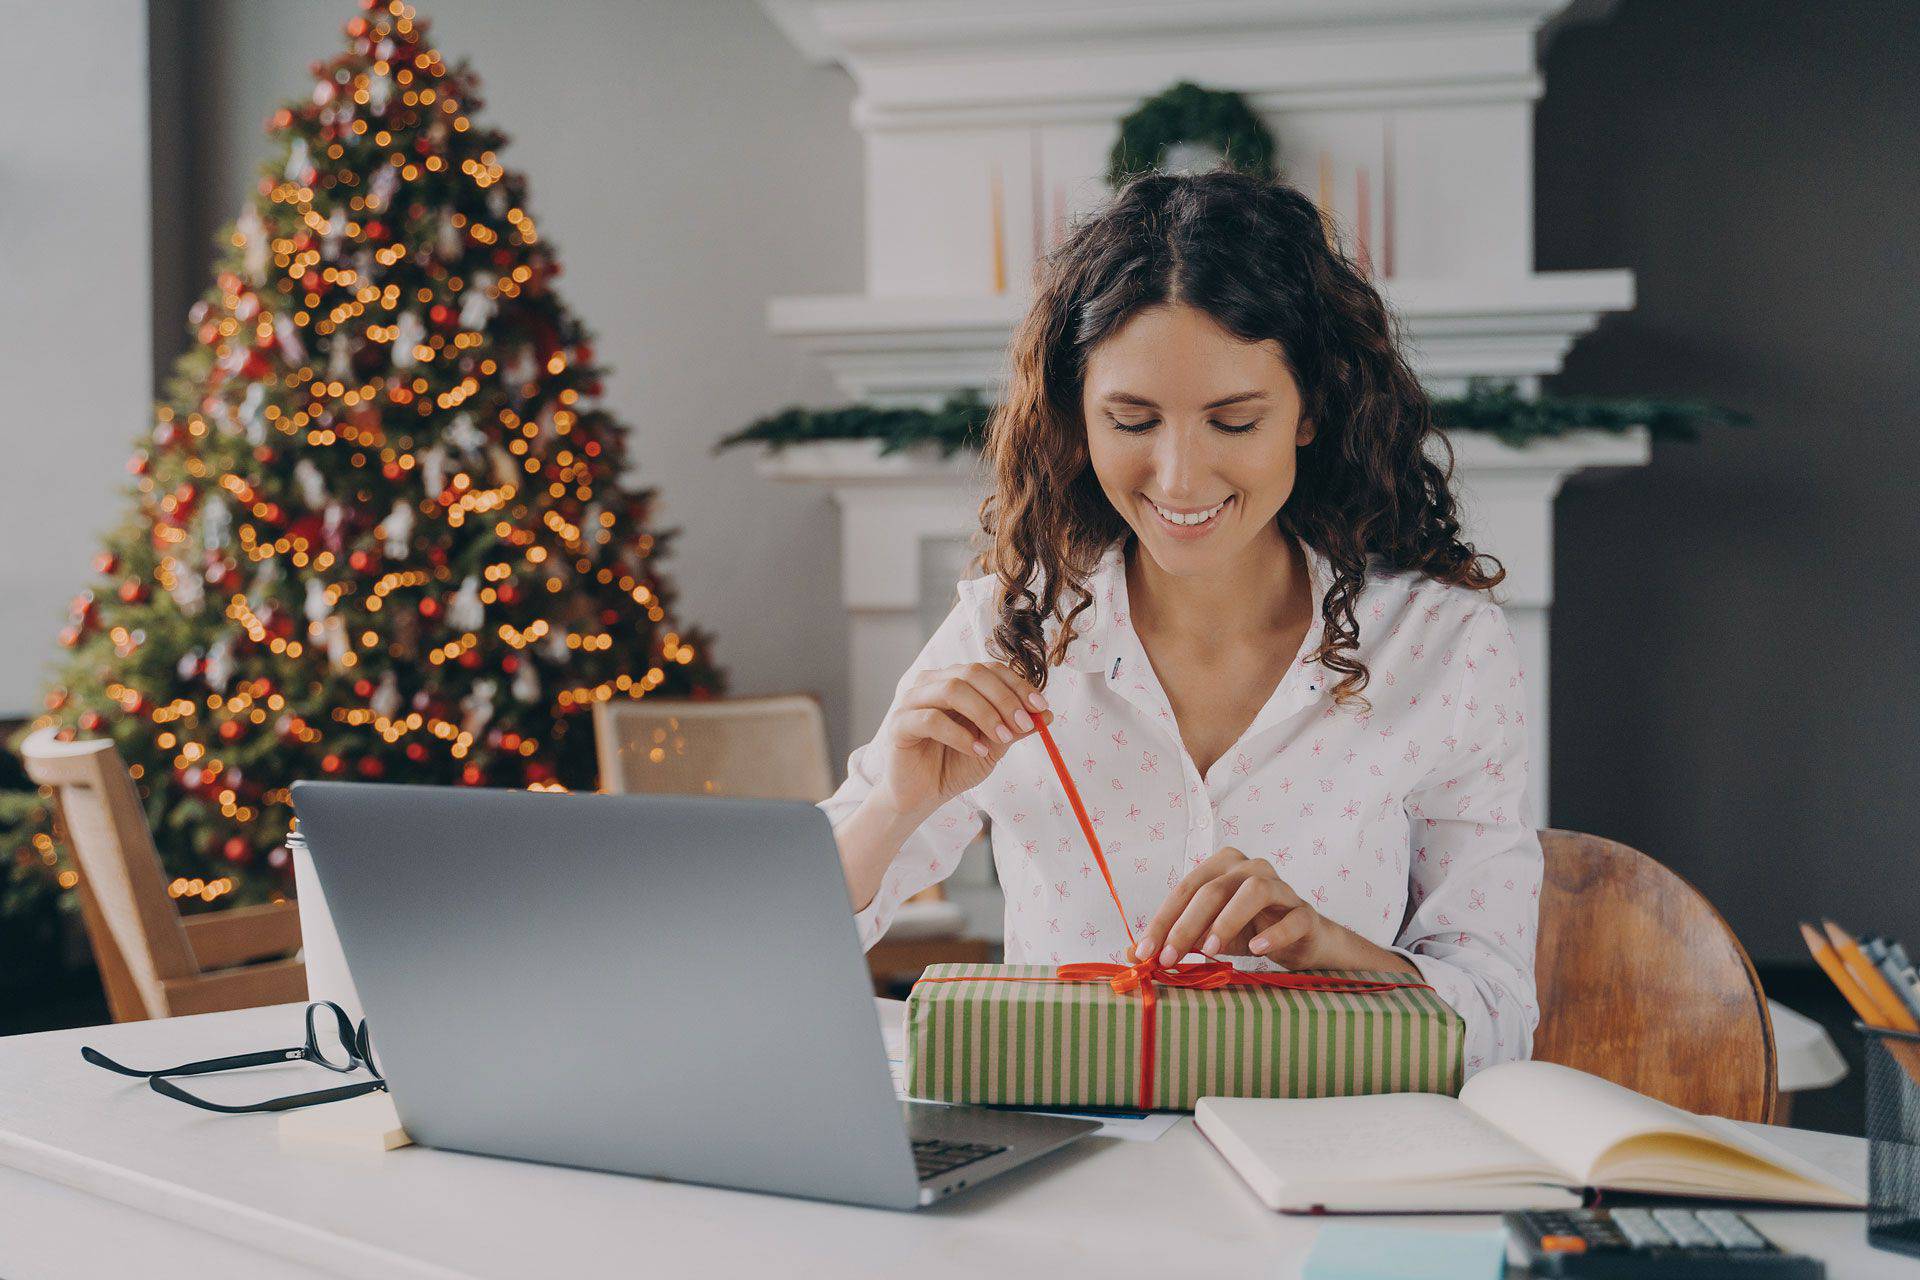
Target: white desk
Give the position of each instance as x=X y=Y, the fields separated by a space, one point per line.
x=100 y=1176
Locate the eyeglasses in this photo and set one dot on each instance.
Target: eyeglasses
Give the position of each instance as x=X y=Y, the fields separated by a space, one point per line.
x=333 y=1042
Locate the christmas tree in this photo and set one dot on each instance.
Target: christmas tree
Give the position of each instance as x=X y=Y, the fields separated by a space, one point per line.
x=378 y=531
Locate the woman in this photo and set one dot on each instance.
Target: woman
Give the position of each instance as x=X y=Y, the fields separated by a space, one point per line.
x=1214 y=523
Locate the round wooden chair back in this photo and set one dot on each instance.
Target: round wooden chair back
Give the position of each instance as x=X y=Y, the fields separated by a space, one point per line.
x=1643 y=983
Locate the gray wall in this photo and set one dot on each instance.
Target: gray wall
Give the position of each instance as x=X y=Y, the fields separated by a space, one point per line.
x=75 y=337
x=688 y=164
x=1735 y=671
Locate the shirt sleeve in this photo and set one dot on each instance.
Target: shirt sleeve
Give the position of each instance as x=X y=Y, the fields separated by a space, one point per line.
x=931 y=853
x=1476 y=859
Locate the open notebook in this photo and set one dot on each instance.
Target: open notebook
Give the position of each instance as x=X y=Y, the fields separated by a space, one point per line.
x=1522 y=1135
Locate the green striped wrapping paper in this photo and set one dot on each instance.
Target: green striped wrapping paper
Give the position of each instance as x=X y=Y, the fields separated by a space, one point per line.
x=1078 y=1043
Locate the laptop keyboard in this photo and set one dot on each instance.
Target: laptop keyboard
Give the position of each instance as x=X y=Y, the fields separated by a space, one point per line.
x=933 y=1157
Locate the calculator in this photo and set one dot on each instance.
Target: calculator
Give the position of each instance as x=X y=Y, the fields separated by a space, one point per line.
x=1653 y=1244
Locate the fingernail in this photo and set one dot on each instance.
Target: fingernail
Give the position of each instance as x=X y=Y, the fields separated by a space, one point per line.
x=1167 y=956
x=1143 y=948
x=1039 y=703
x=1257 y=946
x=1005 y=734
x=1212 y=945
x=980 y=749
x=1024 y=720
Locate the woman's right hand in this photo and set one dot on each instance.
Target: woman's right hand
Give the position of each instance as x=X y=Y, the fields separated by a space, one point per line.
x=949 y=731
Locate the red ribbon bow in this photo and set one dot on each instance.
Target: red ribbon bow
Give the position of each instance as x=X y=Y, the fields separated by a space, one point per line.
x=1146 y=975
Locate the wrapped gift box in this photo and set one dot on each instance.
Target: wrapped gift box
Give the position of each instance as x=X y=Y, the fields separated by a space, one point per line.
x=1079 y=1043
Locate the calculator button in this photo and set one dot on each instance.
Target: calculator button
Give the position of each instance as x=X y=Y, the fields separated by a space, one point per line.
x=1640 y=1229
x=1562 y=1244
x=1685 y=1228
x=1732 y=1230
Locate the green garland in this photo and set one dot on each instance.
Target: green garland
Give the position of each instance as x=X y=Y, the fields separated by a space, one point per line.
x=1188 y=113
x=1489 y=406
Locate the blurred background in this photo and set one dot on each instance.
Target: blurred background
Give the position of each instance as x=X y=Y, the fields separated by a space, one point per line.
x=1680 y=229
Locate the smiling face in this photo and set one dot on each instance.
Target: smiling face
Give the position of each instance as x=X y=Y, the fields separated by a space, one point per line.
x=1193 y=435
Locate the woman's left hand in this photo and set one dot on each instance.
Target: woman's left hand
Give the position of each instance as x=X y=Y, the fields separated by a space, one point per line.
x=1235 y=905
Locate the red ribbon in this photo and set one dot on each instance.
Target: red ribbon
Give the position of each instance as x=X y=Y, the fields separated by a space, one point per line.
x=1145 y=975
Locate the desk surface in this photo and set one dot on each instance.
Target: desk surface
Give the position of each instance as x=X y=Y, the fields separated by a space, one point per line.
x=101 y=1171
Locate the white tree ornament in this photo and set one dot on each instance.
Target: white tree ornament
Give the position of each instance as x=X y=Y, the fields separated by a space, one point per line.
x=465 y=435
x=216 y=524
x=477 y=707
x=466 y=613
x=408 y=333
x=397 y=529
x=253 y=413
x=385 y=702
x=477 y=307
x=526 y=682
x=220 y=664
x=298 y=161
x=317 y=607
x=253 y=243
x=433 y=471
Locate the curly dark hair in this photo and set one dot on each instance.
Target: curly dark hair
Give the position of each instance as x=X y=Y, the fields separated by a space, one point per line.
x=1255 y=256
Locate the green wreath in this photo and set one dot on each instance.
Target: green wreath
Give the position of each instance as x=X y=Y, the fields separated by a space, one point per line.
x=1188 y=113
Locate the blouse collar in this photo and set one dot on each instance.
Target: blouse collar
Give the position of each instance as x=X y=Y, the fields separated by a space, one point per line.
x=1095 y=645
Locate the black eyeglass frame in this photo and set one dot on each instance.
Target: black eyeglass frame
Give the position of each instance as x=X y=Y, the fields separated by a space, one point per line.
x=356 y=1040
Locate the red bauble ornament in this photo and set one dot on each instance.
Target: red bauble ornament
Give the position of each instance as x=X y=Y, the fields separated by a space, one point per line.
x=510 y=664
x=470 y=776
x=538 y=771
x=231 y=730
x=133 y=591
x=436 y=555
x=507 y=593
x=429 y=608
x=359 y=562
x=363 y=688
x=440 y=314
x=370 y=767
x=330 y=764
x=376 y=230
x=256 y=367
x=469 y=658
x=416 y=751
x=92 y=721
x=609 y=618
x=237 y=850
x=106 y=562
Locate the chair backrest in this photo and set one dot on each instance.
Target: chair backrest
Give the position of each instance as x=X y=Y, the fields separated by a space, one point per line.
x=769 y=748
x=137 y=936
x=1643 y=983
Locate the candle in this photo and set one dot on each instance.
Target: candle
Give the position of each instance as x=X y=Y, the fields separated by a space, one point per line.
x=1326 y=192
x=999 y=236
x=1386 y=205
x=1038 y=199
x=1363 y=216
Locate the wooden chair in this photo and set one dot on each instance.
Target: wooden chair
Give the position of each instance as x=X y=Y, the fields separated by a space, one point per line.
x=772 y=747
x=1643 y=983
x=154 y=962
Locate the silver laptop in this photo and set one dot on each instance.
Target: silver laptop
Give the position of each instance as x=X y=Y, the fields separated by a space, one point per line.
x=667 y=986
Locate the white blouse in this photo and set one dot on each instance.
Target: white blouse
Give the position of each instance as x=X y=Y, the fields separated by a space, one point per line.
x=1410 y=824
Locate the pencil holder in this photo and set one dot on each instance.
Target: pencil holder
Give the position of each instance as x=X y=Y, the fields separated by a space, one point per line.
x=1893 y=1139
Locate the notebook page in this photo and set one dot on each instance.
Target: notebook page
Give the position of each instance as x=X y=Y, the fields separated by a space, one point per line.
x=1579 y=1120
x=1395 y=1138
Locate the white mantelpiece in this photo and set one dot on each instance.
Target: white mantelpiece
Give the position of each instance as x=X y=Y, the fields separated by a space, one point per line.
x=906 y=520
x=1431 y=98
